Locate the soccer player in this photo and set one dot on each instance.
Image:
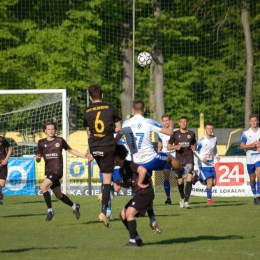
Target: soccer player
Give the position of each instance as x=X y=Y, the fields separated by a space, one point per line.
x=137 y=131
x=3 y=164
x=205 y=151
x=163 y=140
x=101 y=121
x=50 y=149
x=183 y=141
x=250 y=140
x=135 y=176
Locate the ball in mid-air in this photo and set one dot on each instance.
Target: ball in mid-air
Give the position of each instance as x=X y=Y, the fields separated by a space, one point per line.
x=144 y=59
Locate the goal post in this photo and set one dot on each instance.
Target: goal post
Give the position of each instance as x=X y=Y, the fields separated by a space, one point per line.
x=62 y=94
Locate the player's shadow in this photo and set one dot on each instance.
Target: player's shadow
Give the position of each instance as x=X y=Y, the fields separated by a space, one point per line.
x=98 y=222
x=194 y=239
x=217 y=205
x=22 y=215
x=32 y=202
x=33 y=248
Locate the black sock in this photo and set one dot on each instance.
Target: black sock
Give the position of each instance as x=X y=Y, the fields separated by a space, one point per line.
x=132 y=228
x=181 y=190
x=188 y=190
x=47 y=198
x=65 y=199
x=126 y=225
x=105 y=197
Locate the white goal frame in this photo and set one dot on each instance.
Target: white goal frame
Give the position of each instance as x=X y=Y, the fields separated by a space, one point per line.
x=63 y=92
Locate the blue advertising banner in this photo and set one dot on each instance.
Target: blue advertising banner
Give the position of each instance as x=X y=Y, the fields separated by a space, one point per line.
x=21 y=177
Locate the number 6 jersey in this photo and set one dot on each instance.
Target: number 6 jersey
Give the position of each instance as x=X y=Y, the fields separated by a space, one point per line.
x=100 y=118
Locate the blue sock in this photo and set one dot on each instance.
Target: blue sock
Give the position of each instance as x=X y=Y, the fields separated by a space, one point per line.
x=258 y=187
x=151 y=215
x=253 y=188
x=167 y=188
x=209 y=193
x=109 y=208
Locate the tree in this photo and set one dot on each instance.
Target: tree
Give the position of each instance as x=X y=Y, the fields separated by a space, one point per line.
x=249 y=55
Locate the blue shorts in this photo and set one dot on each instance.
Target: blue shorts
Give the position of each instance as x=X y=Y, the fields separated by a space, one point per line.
x=206 y=173
x=115 y=176
x=251 y=168
x=156 y=164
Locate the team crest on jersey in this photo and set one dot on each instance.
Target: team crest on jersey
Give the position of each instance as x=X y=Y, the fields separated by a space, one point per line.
x=188 y=136
x=45 y=145
x=57 y=145
x=139 y=126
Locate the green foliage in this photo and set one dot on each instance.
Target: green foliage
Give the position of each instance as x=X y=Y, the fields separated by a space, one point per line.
x=73 y=44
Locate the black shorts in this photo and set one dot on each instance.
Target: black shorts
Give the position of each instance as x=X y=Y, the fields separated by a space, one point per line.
x=3 y=172
x=104 y=156
x=141 y=201
x=55 y=178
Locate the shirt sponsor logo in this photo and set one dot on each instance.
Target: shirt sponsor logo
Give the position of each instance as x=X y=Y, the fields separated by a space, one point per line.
x=98 y=153
x=139 y=126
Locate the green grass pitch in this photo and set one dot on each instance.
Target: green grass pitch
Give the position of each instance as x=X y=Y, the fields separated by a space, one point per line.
x=226 y=230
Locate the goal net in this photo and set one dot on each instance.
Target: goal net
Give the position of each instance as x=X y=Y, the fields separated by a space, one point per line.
x=21 y=124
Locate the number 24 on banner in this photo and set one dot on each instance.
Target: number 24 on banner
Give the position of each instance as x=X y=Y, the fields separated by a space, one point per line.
x=230 y=174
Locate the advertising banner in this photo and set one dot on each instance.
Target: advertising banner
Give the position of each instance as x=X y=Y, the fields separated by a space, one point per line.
x=21 y=177
x=232 y=179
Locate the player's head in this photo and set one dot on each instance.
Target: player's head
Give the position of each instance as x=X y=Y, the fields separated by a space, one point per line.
x=121 y=151
x=183 y=122
x=209 y=128
x=138 y=106
x=253 y=120
x=95 y=92
x=49 y=128
x=166 y=120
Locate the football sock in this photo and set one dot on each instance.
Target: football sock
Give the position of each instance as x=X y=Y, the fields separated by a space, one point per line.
x=47 y=198
x=181 y=190
x=105 y=197
x=258 y=187
x=167 y=188
x=65 y=199
x=188 y=190
x=253 y=188
x=209 y=193
x=126 y=225
x=132 y=228
x=150 y=213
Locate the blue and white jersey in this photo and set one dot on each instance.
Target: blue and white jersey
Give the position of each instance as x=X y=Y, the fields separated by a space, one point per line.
x=249 y=137
x=164 y=139
x=138 y=131
x=206 y=148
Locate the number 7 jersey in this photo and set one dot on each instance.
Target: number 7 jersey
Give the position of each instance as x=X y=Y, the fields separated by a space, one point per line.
x=100 y=118
x=138 y=131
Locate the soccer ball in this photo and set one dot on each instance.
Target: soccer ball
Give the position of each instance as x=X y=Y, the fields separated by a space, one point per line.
x=144 y=59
